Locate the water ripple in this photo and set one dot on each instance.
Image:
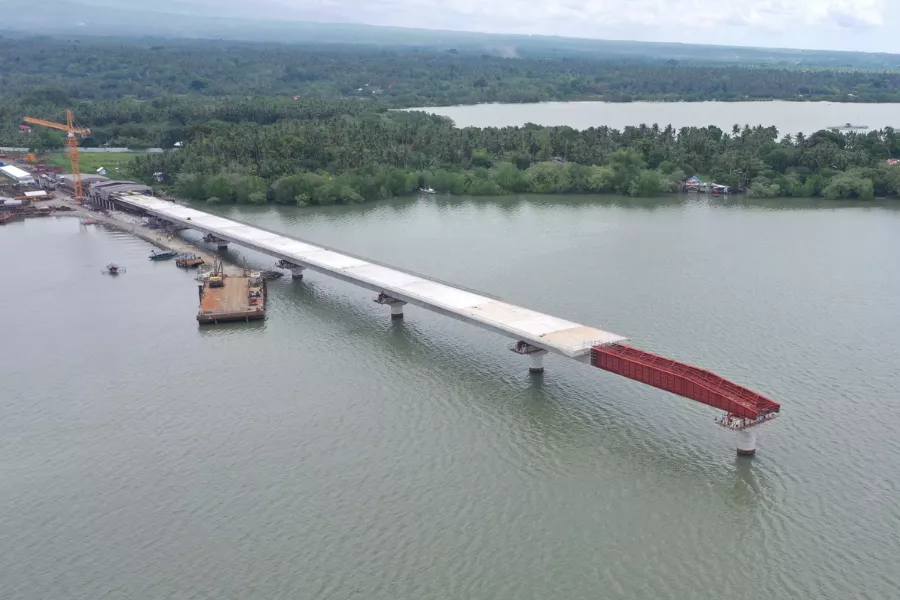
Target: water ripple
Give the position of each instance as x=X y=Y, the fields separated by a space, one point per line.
x=332 y=453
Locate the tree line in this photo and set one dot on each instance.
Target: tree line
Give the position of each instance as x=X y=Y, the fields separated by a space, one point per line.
x=350 y=157
x=314 y=125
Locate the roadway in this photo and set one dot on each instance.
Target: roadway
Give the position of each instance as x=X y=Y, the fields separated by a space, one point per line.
x=395 y=286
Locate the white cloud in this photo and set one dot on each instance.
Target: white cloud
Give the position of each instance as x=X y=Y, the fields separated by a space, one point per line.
x=535 y=13
x=804 y=23
x=698 y=14
x=695 y=21
x=838 y=24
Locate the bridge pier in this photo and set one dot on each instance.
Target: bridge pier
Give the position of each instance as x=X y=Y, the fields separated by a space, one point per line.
x=221 y=245
x=296 y=270
x=744 y=408
x=396 y=305
x=746 y=442
x=535 y=355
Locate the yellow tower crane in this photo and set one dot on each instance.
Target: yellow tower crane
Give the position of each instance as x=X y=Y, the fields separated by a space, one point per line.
x=71 y=129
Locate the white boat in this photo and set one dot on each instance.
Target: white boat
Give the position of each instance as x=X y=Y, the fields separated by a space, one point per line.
x=848 y=127
x=427 y=191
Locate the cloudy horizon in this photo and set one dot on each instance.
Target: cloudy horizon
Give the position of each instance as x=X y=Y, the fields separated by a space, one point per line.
x=861 y=25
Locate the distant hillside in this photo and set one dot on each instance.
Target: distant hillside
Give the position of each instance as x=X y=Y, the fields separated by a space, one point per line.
x=108 y=18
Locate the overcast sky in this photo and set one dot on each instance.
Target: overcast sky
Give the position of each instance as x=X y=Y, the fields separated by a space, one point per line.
x=869 y=25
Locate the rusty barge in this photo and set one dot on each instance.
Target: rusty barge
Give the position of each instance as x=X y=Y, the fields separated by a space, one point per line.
x=229 y=298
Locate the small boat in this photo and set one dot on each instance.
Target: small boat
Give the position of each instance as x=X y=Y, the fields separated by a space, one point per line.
x=7 y=217
x=188 y=260
x=154 y=255
x=89 y=222
x=427 y=191
x=848 y=126
x=113 y=269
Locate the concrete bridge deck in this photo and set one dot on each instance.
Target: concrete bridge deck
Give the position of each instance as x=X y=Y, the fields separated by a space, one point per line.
x=541 y=331
x=535 y=333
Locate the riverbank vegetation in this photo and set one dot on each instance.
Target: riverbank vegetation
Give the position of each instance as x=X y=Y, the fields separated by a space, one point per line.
x=315 y=125
x=356 y=157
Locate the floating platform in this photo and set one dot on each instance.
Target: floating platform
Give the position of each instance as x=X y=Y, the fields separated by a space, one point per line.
x=188 y=260
x=230 y=298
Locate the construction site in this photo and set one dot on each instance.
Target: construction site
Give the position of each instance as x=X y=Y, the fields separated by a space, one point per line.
x=241 y=295
x=27 y=178
x=30 y=188
x=225 y=298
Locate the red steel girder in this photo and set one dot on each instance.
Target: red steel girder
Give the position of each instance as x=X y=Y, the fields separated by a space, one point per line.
x=685 y=380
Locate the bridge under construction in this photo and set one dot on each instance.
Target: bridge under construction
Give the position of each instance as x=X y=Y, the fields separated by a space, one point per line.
x=534 y=334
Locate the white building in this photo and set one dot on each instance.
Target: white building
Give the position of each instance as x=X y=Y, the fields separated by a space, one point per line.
x=18 y=175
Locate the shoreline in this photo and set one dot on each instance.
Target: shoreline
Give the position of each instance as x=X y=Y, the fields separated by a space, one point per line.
x=156 y=238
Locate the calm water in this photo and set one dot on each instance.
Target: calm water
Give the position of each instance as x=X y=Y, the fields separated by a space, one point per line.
x=330 y=453
x=788 y=117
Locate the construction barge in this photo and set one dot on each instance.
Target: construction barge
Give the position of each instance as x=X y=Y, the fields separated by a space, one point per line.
x=228 y=298
x=188 y=260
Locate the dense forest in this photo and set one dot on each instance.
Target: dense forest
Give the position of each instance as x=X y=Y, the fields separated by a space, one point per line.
x=347 y=158
x=401 y=77
x=314 y=125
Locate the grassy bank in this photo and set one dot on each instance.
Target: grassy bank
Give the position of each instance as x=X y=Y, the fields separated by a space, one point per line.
x=92 y=161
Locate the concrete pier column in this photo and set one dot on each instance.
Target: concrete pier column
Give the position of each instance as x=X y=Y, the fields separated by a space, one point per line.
x=221 y=245
x=534 y=353
x=746 y=442
x=297 y=273
x=396 y=305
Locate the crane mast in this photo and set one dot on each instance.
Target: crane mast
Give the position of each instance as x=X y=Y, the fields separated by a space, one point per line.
x=71 y=145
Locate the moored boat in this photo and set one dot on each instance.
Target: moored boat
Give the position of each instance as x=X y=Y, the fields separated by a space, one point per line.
x=154 y=255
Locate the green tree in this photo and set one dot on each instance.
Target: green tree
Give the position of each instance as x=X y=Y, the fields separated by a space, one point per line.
x=44 y=139
x=510 y=178
x=763 y=188
x=480 y=158
x=601 y=180
x=191 y=186
x=647 y=183
x=850 y=185
x=626 y=166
